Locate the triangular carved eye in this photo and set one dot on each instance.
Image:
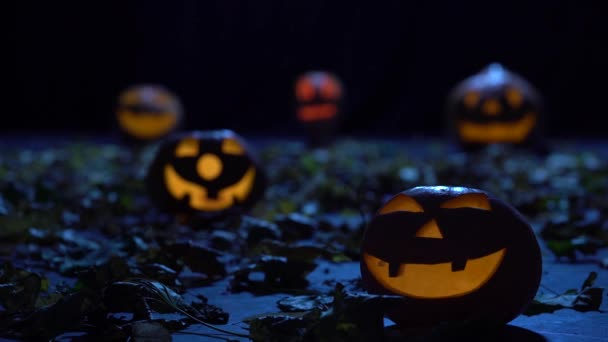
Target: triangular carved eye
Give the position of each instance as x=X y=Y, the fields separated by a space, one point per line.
x=129 y=98
x=401 y=203
x=514 y=97
x=163 y=99
x=471 y=99
x=479 y=201
x=232 y=146
x=330 y=90
x=305 y=90
x=187 y=147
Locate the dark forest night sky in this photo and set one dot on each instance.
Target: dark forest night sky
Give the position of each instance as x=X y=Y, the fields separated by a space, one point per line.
x=233 y=63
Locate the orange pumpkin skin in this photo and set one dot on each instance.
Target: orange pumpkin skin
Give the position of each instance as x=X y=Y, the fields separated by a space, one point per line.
x=494 y=106
x=318 y=97
x=205 y=172
x=147 y=112
x=493 y=253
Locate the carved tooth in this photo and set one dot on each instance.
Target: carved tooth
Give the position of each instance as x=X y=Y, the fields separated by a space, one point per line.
x=393 y=269
x=459 y=265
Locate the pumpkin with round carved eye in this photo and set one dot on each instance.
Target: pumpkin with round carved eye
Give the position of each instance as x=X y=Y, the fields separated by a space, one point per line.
x=457 y=254
x=494 y=106
x=205 y=171
x=148 y=112
x=318 y=96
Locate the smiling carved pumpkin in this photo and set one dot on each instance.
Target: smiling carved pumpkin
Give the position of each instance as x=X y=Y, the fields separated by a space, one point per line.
x=494 y=106
x=204 y=171
x=456 y=253
x=318 y=95
x=148 y=112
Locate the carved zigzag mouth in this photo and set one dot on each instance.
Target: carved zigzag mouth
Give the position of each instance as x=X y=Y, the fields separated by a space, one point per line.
x=198 y=198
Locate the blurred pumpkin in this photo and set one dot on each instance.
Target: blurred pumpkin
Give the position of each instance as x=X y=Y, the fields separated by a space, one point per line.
x=318 y=95
x=494 y=106
x=148 y=112
x=458 y=254
x=205 y=171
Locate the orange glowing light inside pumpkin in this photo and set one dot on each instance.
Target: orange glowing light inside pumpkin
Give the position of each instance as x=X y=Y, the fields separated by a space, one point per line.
x=435 y=280
x=317 y=112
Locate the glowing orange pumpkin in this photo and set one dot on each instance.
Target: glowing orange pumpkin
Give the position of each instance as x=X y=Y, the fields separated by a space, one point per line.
x=318 y=96
x=494 y=106
x=205 y=171
x=456 y=253
x=148 y=112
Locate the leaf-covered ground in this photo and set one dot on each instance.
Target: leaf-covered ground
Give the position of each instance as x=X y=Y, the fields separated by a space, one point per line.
x=84 y=253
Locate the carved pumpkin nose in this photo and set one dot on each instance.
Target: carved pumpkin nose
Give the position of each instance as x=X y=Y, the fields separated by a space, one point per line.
x=491 y=107
x=430 y=230
x=209 y=166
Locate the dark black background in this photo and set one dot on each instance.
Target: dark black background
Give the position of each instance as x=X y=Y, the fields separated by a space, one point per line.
x=233 y=63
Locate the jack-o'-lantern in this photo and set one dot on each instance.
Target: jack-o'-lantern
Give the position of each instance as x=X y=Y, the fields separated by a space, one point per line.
x=494 y=106
x=457 y=254
x=206 y=172
x=318 y=95
x=148 y=112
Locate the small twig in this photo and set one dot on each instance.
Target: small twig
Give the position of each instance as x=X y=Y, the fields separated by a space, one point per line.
x=208 y=325
x=206 y=335
x=550 y=290
x=165 y=297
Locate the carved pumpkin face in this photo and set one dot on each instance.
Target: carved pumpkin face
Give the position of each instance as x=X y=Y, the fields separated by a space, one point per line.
x=318 y=96
x=456 y=252
x=494 y=106
x=148 y=112
x=210 y=172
